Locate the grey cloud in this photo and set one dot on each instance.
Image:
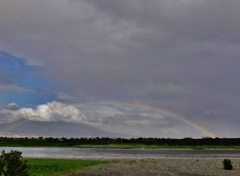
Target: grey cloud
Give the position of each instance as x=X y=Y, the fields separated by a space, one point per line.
x=63 y=96
x=157 y=91
x=11 y=106
x=14 y=87
x=133 y=15
x=7 y=85
x=4 y=77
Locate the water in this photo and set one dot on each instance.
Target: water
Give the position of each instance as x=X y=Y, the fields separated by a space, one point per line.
x=119 y=153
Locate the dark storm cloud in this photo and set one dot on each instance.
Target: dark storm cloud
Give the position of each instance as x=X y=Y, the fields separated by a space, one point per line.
x=181 y=55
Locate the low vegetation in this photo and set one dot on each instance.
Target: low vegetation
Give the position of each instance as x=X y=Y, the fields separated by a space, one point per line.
x=203 y=143
x=12 y=164
x=227 y=164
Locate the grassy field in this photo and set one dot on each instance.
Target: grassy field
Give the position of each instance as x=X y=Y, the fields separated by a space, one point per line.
x=56 y=167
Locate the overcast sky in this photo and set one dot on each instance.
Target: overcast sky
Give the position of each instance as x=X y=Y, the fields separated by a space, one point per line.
x=179 y=55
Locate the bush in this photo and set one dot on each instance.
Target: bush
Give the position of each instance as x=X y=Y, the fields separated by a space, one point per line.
x=11 y=164
x=227 y=164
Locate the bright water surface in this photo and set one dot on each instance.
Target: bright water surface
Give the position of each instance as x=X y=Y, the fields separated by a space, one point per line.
x=120 y=153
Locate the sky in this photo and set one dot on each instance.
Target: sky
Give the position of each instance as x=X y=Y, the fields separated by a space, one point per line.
x=156 y=68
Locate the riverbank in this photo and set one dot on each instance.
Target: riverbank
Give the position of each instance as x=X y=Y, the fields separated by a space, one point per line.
x=163 y=167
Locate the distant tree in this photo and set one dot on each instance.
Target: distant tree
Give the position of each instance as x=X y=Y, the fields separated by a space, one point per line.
x=11 y=164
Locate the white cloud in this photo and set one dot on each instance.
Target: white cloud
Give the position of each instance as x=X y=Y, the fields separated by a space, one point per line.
x=53 y=111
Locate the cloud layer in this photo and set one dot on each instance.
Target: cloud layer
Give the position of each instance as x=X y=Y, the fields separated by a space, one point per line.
x=101 y=47
x=181 y=55
x=111 y=117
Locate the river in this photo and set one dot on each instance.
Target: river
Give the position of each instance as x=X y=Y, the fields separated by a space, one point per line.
x=121 y=153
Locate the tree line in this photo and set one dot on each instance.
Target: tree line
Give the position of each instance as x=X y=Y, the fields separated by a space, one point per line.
x=68 y=142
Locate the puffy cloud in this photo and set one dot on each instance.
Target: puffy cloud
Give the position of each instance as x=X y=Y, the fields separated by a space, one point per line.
x=53 y=111
x=9 y=115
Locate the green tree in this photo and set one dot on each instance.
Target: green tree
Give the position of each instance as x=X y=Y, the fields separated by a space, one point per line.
x=11 y=164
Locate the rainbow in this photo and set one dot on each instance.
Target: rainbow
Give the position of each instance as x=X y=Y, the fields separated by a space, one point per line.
x=160 y=110
x=13 y=124
x=134 y=104
x=176 y=116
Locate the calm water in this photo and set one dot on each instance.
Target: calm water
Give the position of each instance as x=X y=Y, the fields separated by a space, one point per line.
x=121 y=153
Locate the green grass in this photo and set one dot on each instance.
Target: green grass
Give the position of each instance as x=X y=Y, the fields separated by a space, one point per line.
x=54 y=167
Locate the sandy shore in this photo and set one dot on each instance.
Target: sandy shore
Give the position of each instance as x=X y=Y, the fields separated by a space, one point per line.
x=163 y=167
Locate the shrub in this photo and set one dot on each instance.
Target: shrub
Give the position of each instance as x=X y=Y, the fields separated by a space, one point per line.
x=11 y=164
x=227 y=164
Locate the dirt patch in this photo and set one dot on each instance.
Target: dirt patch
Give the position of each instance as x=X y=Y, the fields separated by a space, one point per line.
x=163 y=167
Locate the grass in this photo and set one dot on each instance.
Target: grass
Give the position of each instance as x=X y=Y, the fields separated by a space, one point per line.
x=54 y=167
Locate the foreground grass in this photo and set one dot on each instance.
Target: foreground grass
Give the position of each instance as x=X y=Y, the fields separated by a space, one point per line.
x=54 y=167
